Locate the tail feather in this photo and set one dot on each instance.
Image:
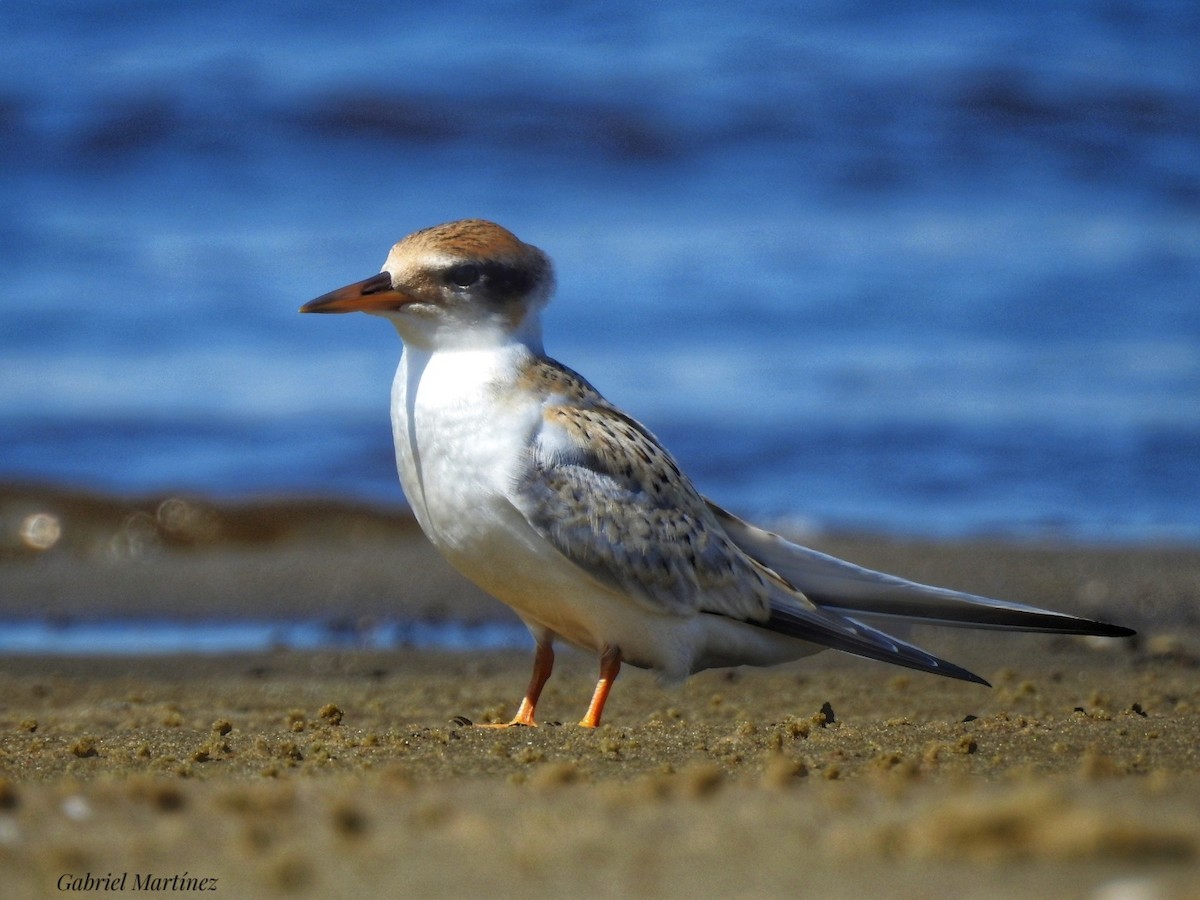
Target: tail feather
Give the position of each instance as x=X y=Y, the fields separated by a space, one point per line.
x=833 y=583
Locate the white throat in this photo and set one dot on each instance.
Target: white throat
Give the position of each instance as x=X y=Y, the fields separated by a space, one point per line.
x=429 y=334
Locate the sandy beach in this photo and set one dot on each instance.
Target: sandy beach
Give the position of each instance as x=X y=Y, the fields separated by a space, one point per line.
x=342 y=773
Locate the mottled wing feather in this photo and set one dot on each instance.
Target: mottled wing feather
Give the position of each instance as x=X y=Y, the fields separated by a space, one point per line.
x=604 y=492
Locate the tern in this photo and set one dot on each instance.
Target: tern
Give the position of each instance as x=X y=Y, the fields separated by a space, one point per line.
x=554 y=501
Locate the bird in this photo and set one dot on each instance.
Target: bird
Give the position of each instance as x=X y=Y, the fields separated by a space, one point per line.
x=567 y=509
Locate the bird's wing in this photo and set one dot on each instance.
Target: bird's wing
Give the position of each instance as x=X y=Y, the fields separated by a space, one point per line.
x=833 y=583
x=602 y=490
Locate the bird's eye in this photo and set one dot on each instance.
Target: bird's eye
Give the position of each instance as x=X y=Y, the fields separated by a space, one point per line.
x=463 y=276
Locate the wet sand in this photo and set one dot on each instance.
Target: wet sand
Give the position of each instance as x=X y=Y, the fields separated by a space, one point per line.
x=342 y=773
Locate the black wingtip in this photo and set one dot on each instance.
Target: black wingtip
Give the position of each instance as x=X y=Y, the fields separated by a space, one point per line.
x=972 y=677
x=926 y=662
x=937 y=666
x=851 y=636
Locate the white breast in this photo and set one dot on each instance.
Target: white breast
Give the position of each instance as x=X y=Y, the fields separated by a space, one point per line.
x=457 y=448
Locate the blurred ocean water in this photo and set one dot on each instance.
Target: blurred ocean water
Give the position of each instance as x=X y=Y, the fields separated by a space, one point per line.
x=931 y=271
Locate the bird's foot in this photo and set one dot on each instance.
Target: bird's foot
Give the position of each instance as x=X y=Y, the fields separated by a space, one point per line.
x=464 y=722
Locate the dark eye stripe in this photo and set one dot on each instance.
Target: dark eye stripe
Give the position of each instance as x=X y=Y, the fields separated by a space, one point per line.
x=502 y=281
x=507 y=281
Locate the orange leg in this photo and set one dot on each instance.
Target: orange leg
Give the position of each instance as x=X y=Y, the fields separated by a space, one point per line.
x=543 y=665
x=610 y=667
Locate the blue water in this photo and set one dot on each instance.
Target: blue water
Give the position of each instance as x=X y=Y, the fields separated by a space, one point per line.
x=931 y=270
x=112 y=637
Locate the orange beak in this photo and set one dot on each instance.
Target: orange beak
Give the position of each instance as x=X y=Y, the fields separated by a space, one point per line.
x=374 y=294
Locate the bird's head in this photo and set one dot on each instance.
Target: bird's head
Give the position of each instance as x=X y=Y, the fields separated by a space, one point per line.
x=462 y=284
